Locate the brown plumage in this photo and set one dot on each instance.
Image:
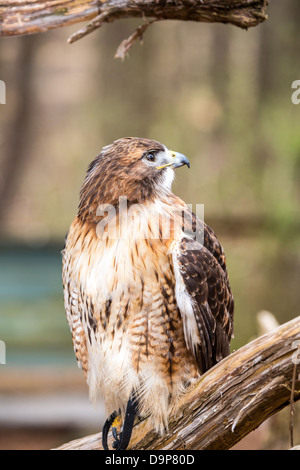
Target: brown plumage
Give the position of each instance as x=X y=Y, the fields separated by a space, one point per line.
x=148 y=300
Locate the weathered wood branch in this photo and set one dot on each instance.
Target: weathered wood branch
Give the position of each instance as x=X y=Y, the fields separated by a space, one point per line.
x=19 y=17
x=230 y=400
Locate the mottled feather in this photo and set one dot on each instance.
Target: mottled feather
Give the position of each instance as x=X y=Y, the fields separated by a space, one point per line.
x=150 y=306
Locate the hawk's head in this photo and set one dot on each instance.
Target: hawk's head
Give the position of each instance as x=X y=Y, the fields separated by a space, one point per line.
x=135 y=168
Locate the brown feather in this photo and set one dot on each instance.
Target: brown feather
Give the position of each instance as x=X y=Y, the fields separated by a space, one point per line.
x=128 y=299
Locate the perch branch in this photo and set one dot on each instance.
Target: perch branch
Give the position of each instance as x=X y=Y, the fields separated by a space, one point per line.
x=18 y=17
x=229 y=401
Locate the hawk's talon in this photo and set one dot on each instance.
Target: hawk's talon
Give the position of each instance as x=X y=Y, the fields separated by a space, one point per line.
x=116 y=429
x=114 y=433
x=116 y=443
x=106 y=428
x=121 y=442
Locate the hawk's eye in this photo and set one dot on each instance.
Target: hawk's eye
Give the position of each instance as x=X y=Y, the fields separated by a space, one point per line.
x=151 y=157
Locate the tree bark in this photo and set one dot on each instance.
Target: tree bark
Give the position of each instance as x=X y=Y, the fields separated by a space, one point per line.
x=19 y=17
x=230 y=400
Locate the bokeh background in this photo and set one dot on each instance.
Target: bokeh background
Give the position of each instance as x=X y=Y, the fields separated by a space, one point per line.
x=218 y=94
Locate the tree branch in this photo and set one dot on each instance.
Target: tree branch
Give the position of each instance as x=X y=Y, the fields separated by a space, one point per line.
x=230 y=400
x=18 y=17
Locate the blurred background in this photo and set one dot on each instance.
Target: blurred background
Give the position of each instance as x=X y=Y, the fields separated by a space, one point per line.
x=218 y=94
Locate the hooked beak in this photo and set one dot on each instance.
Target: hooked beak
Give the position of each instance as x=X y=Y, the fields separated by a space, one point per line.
x=178 y=160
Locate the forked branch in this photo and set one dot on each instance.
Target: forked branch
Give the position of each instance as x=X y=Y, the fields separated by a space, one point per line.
x=230 y=400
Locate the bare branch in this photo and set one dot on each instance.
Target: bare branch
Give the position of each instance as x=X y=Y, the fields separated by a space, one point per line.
x=125 y=45
x=94 y=24
x=229 y=401
x=18 y=17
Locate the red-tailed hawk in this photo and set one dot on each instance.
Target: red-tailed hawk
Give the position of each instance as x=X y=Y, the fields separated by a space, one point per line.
x=146 y=287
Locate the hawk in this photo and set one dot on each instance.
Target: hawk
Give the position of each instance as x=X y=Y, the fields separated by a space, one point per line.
x=146 y=287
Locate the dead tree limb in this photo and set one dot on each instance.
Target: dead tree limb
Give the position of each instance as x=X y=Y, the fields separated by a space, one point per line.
x=19 y=17
x=230 y=400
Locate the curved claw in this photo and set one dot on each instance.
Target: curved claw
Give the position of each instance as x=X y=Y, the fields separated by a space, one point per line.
x=115 y=433
x=106 y=428
x=121 y=442
x=125 y=435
